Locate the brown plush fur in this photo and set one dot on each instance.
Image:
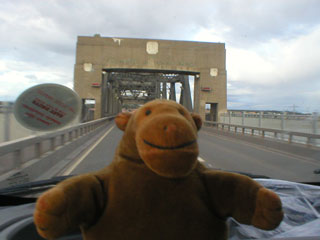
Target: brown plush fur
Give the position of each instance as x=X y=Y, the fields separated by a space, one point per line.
x=155 y=188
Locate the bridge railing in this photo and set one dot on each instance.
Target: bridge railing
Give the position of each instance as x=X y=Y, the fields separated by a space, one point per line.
x=19 y=152
x=289 y=136
x=306 y=123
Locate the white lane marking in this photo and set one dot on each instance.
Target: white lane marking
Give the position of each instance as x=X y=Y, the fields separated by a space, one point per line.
x=200 y=159
x=71 y=168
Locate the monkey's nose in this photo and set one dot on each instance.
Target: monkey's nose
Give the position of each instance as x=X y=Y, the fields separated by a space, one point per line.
x=170 y=128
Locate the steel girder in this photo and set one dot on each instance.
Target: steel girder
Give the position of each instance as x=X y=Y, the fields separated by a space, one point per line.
x=139 y=87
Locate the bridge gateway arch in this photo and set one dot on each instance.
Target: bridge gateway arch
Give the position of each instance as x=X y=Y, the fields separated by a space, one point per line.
x=118 y=71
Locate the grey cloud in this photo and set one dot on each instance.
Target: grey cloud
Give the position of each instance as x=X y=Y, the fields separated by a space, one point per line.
x=281 y=96
x=31 y=77
x=253 y=22
x=43 y=33
x=249 y=22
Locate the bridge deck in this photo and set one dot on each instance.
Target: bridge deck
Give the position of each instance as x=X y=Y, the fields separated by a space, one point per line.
x=255 y=156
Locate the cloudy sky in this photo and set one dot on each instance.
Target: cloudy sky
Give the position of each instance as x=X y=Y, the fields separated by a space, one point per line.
x=273 y=46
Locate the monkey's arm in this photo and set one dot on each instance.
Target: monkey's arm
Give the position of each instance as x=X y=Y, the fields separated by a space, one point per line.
x=73 y=203
x=240 y=197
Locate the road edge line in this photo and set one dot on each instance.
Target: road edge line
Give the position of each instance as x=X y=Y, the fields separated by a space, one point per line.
x=74 y=165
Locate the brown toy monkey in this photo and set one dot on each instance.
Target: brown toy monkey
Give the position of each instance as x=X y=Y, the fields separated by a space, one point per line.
x=155 y=188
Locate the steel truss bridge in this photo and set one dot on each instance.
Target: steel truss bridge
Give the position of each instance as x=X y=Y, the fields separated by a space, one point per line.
x=119 y=88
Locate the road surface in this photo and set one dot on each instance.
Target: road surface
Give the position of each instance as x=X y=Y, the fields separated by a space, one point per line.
x=221 y=151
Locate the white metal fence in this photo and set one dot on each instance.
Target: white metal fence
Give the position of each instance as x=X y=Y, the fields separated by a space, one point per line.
x=289 y=136
x=308 y=123
x=11 y=129
x=27 y=158
x=282 y=121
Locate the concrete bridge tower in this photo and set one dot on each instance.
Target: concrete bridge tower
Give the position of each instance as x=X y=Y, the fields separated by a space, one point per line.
x=113 y=71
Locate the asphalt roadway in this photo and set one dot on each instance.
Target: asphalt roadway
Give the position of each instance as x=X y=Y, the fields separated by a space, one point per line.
x=221 y=150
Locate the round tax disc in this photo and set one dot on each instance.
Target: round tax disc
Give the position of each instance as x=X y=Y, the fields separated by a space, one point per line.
x=47 y=107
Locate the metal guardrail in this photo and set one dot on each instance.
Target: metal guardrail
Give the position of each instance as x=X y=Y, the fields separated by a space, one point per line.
x=278 y=115
x=36 y=143
x=275 y=133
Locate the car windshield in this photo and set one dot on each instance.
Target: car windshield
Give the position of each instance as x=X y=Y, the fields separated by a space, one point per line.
x=250 y=69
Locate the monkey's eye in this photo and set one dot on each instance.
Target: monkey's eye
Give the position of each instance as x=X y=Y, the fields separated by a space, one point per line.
x=148 y=112
x=181 y=112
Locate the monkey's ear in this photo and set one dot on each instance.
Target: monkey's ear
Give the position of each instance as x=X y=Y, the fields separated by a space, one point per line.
x=197 y=120
x=122 y=120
